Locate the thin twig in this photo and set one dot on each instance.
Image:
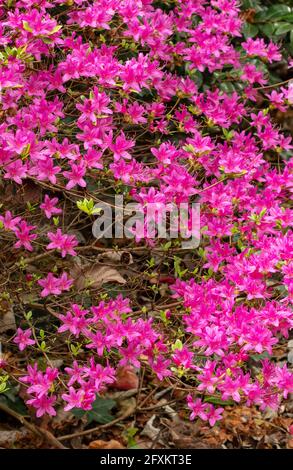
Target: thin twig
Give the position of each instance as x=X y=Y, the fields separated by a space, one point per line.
x=156 y=407
x=33 y=428
x=274 y=85
x=98 y=428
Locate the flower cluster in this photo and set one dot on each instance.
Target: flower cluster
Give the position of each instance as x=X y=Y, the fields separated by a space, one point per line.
x=165 y=104
x=105 y=328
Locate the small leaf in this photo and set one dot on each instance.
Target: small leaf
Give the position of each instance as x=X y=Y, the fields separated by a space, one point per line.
x=288 y=17
x=87 y=206
x=218 y=401
x=275 y=12
x=283 y=28
x=177 y=345
x=249 y=30
x=26 y=26
x=259 y=357
x=100 y=412
x=267 y=29
x=56 y=29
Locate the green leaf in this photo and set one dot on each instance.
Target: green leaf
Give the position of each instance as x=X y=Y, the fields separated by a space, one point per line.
x=27 y=27
x=177 y=345
x=10 y=399
x=56 y=29
x=267 y=29
x=260 y=16
x=288 y=17
x=283 y=28
x=246 y=4
x=195 y=75
x=87 y=206
x=227 y=87
x=218 y=401
x=100 y=412
x=3 y=387
x=249 y=30
x=47 y=40
x=259 y=357
x=275 y=12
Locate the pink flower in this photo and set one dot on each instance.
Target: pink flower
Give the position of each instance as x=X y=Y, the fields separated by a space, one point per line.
x=214 y=414
x=74 y=399
x=74 y=321
x=9 y=222
x=120 y=147
x=24 y=236
x=75 y=175
x=43 y=404
x=76 y=373
x=92 y=159
x=277 y=99
x=65 y=282
x=45 y=169
x=285 y=380
x=230 y=388
x=62 y=242
x=48 y=206
x=16 y=171
x=198 y=408
x=3 y=363
x=99 y=376
x=54 y=285
x=23 y=338
x=290 y=93
x=19 y=141
x=184 y=358
x=160 y=367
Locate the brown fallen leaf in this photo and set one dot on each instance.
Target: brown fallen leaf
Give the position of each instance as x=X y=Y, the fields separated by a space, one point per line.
x=95 y=276
x=9 y=438
x=7 y=318
x=112 y=444
x=114 y=257
x=150 y=430
x=62 y=419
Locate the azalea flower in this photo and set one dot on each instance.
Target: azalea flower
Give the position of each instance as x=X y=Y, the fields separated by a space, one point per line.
x=54 y=285
x=23 y=338
x=62 y=242
x=10 y=222
x=24 y=236
x=48 y=206
x=43 y=405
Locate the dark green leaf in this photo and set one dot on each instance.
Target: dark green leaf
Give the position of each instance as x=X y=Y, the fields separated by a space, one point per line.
x=260 y=16
x=283 y=28
x=218 y=401
x=246 y=4
x=288 y=17
x=267 y=29
x=275 y=12
x=249 y=30
x=260 y=357
x=227 y=87
x=100 y=412
x=14 y=402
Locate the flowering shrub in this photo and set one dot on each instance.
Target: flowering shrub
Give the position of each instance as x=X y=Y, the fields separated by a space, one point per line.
x=163 y=102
